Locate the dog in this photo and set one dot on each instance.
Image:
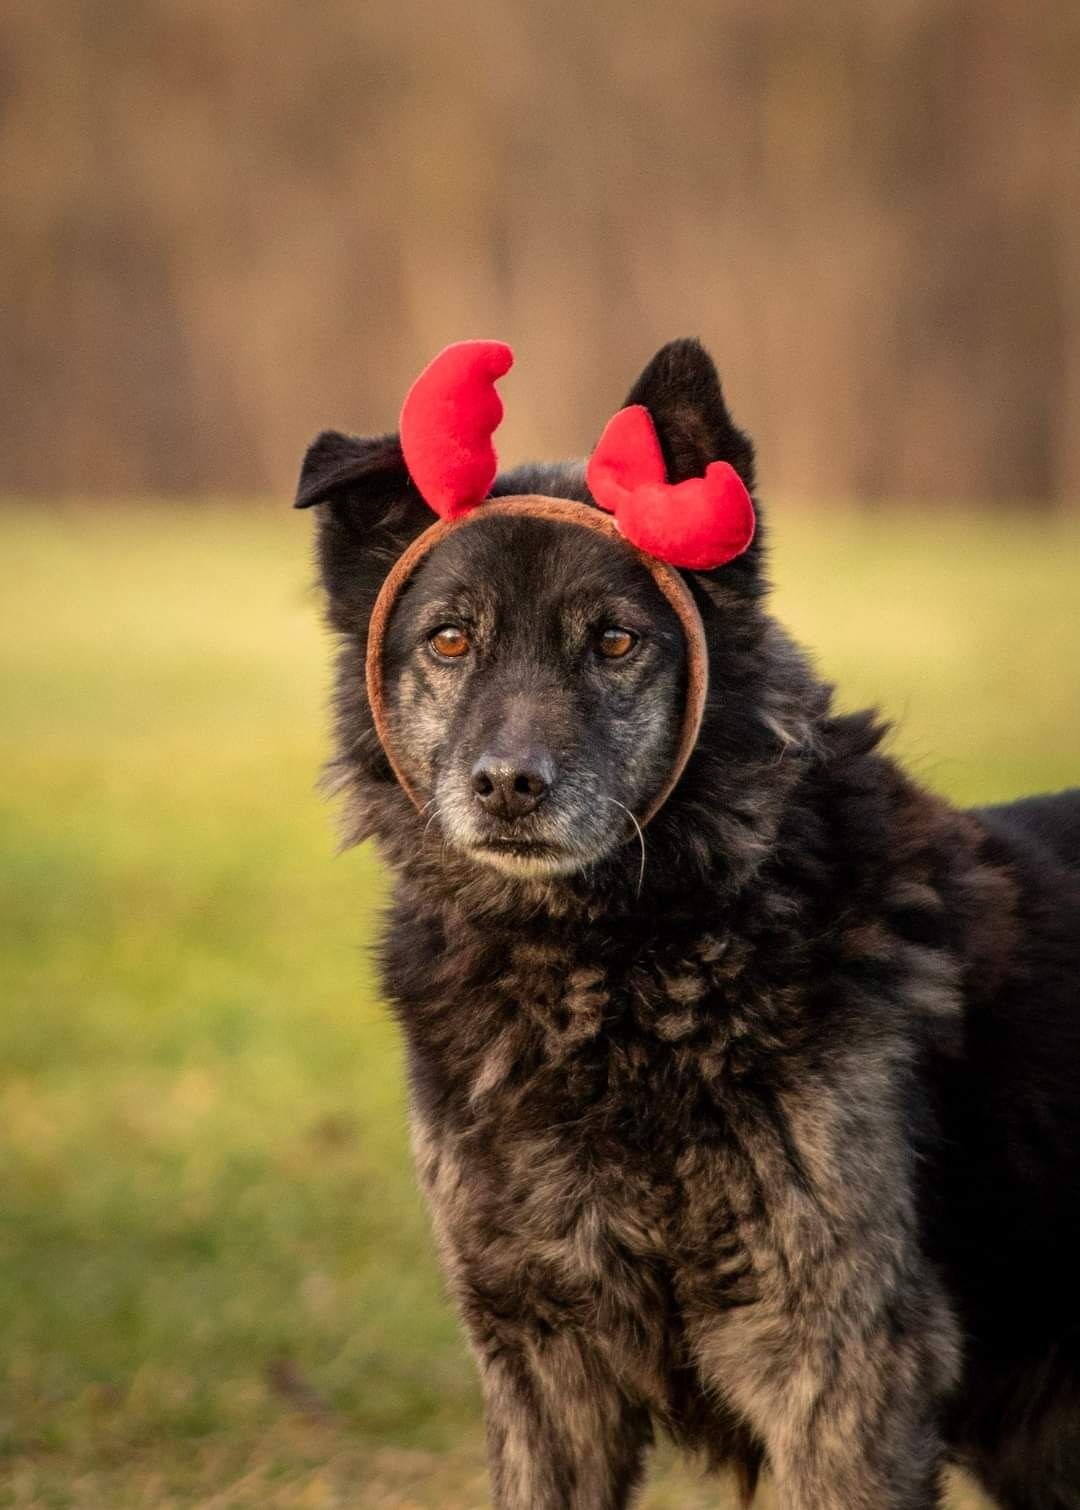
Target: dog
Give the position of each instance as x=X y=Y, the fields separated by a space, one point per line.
x=759 y=1125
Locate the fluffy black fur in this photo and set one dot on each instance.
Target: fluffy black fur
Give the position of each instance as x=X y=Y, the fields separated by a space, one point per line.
x=772 y=1144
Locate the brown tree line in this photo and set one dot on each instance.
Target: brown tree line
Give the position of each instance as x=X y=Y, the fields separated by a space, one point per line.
x=227 y=223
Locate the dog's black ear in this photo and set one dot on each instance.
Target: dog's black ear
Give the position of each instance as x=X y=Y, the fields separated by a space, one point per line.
x=681 y=390
x=335 y=462
x=369 y=512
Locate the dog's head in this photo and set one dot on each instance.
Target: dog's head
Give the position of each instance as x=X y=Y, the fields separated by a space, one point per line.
x=535 y=674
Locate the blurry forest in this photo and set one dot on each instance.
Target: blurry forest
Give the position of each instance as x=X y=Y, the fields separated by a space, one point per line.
x=225 y=225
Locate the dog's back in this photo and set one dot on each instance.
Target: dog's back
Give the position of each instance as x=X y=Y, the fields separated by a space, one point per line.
x=1051 y=821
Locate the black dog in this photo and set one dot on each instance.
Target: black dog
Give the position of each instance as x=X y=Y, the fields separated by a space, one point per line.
x=764 y=1131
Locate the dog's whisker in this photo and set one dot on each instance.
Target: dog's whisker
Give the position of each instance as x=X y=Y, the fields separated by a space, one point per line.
x=641 y=840
x=436 y=812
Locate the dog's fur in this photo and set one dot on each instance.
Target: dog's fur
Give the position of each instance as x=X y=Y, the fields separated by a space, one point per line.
x=773 y=1145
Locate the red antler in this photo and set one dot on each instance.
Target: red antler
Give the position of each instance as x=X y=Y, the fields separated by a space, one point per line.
x=447 y=421
x=697 y=524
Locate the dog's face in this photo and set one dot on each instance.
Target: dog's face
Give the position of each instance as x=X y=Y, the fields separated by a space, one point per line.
x=534 y=673
x=535 y=679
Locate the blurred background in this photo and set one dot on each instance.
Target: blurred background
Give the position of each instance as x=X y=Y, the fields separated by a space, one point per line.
x=226 y=226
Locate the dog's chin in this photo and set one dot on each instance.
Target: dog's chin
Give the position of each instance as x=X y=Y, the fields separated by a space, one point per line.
x=558 y=846
x=528 y=859
x=526 y=862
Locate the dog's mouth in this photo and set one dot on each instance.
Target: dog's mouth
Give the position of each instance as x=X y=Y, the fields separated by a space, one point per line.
x=513 y=845
x=557 y=839
x=525 y=857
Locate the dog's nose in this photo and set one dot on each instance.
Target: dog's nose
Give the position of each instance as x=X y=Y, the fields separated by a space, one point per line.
x=510 y=788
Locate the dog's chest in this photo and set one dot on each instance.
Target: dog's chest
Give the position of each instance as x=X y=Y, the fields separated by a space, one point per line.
x=613 y=1037
x=594 y=1174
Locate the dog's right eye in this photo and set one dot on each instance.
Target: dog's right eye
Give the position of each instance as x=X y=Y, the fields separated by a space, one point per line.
x=449 y=642
x=615 y=643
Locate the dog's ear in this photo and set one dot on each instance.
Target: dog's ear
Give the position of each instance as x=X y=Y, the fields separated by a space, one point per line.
x=334 y=462
x=369 y=512
x=681 y=390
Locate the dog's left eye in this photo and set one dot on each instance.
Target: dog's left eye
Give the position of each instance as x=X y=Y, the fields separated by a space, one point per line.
x=449 y=642
x=614 y=643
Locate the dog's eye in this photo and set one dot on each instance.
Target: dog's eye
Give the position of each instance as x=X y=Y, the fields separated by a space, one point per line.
x=449 y=642
x=614 y=643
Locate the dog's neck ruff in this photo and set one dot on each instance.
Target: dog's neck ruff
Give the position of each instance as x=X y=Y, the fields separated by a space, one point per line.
x=563 y=511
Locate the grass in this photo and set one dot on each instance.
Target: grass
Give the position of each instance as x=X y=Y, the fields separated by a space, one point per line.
x=216 y=1282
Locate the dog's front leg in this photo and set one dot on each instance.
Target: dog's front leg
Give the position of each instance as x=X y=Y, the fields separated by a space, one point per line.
x=841 y=1456
x=846 y=1408
x=561 y=1435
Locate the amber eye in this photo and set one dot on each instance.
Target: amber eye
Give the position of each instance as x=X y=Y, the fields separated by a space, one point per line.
x=614 y=643
x=449 y=642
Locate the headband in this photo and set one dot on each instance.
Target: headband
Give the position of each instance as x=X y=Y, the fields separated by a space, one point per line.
x=446 y=427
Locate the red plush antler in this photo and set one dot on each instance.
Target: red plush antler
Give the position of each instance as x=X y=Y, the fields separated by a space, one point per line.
x=452 y=410
x=447 y=421
x=697 y=524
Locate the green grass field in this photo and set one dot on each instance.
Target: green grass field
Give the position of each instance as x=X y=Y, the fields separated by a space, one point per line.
x=216 y=1283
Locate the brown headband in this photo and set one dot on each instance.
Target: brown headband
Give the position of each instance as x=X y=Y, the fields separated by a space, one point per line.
x=563 y=511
